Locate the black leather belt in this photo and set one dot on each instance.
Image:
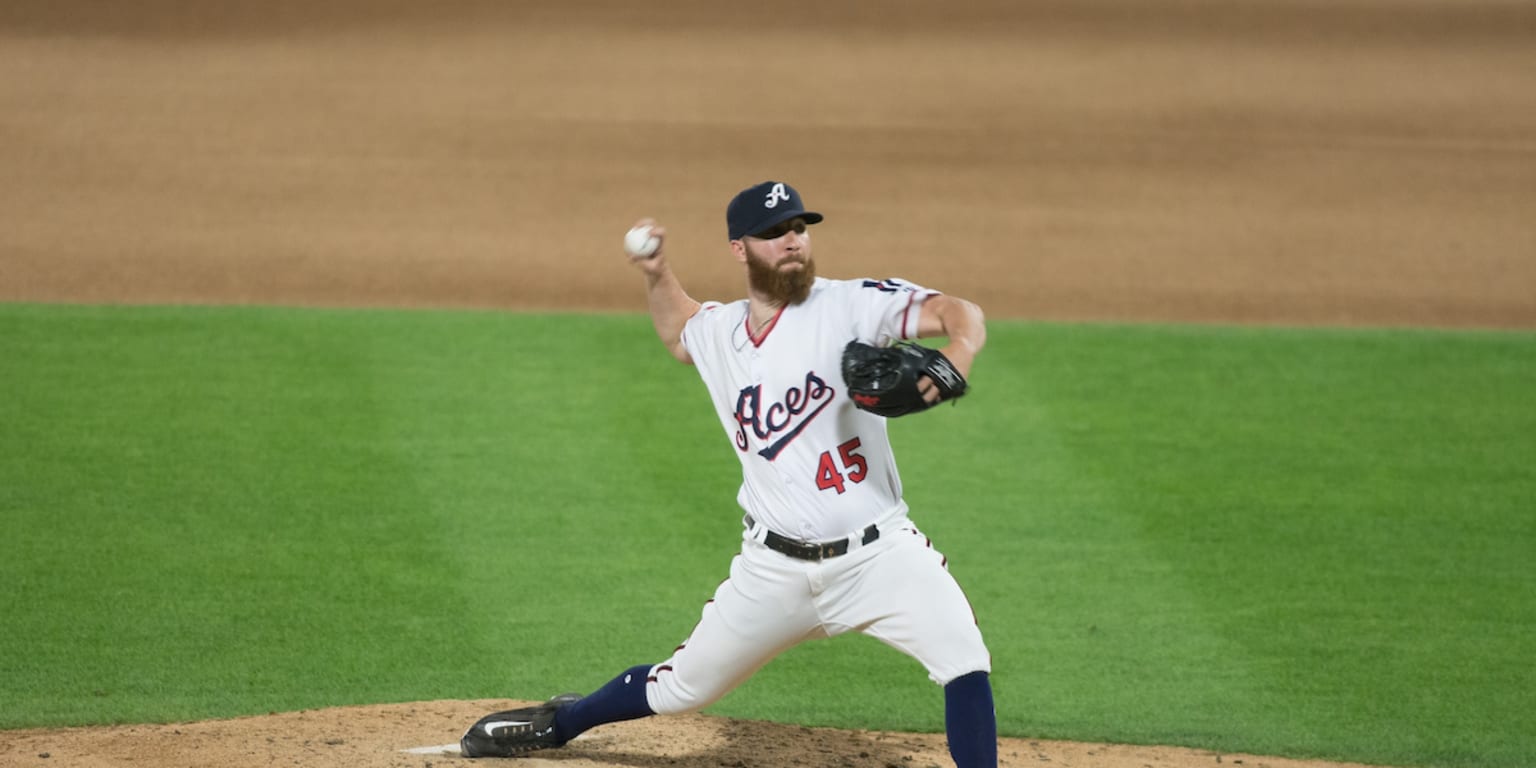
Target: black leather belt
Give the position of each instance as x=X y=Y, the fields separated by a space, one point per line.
x=813 y=550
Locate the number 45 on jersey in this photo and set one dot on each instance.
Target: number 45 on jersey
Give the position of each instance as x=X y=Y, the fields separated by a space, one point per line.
x=846 y=467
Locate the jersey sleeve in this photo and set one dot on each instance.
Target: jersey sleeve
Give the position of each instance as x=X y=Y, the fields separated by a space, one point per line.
x=887 y=310
x=697 y=330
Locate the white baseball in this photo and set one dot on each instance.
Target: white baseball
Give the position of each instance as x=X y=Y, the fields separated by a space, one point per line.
x=640 y=243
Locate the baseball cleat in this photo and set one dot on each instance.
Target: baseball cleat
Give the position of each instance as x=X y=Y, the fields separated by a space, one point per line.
x=515 y=731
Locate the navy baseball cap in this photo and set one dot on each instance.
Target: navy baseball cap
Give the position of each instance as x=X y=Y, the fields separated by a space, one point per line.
x=757 y=208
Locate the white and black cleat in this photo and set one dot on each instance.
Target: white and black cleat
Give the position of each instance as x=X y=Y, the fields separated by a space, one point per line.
x=515 y=731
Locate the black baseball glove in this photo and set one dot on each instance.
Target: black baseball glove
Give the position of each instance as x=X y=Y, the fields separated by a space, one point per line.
x=883 y=380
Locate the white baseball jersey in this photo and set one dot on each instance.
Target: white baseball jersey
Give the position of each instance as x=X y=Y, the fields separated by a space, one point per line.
x=814 y=467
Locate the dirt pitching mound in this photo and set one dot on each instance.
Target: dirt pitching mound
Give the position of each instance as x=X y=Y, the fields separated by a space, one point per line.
x=418 y=735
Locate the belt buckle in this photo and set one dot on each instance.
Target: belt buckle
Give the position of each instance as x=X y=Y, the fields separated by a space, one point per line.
x=826 y=550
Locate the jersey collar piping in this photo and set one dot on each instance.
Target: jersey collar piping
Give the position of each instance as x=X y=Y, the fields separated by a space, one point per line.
x=762 y=336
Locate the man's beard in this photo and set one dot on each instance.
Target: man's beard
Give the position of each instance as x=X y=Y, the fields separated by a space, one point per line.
x=780 y=287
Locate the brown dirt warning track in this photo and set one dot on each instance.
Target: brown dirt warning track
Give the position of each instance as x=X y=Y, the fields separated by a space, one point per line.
x=1355 y=162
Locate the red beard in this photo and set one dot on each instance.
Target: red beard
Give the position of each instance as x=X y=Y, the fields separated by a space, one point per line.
x=780 y=286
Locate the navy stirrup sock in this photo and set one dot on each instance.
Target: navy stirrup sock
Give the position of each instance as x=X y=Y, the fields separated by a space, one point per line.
x=623 y=698
x=970 y=721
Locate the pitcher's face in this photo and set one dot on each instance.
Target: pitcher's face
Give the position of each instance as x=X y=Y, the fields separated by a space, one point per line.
x=779 y=263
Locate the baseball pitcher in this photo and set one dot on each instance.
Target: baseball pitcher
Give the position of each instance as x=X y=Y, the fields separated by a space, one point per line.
x=803 y=374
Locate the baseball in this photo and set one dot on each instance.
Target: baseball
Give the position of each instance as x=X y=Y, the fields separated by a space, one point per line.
x=640 y=243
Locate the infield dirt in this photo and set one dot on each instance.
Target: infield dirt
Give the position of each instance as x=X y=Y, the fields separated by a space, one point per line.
x=375 y=737
x=1349 y=162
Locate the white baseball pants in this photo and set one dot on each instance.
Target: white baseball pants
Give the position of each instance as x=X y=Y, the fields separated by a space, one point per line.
x=896 y=589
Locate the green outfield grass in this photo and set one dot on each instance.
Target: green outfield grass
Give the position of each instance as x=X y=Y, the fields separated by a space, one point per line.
x=1301 y=542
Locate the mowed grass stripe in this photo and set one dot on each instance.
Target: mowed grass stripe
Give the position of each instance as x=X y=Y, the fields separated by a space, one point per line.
x=1279 y=541
x=1341 y=510
x=212 y=516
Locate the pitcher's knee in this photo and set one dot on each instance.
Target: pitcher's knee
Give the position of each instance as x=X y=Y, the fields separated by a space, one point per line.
x=668 y=694
x=968 y=654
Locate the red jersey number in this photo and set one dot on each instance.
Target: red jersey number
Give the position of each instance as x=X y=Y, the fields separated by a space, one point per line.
x=853 y=468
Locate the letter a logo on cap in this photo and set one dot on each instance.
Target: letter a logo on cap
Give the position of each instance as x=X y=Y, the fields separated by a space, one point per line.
x=775 y=195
